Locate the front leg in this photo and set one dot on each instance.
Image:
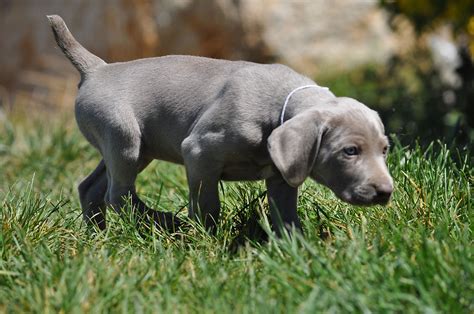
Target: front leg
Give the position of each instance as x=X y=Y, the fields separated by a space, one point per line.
x=203 y=175
x=282 y=199
x=204 y=200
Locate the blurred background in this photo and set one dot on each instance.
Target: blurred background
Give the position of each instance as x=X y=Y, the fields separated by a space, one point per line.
x=411 y=60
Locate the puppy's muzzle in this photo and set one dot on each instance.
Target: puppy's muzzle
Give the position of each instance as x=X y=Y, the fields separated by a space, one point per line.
x=383 y=193
x=372 y=194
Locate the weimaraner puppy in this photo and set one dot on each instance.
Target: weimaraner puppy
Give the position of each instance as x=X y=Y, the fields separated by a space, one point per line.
x=223 y=120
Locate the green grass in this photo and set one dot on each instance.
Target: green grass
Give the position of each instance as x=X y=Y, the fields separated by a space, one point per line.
x=415 y=255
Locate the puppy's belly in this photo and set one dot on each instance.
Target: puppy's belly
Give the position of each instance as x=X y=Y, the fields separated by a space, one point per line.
x=162 y=147
x=246 y=172
x=165 y=156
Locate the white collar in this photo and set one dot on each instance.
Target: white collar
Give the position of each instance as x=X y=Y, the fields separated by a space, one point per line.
x=282 y=116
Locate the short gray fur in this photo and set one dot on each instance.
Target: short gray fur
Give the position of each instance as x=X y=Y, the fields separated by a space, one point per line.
x=220 y=119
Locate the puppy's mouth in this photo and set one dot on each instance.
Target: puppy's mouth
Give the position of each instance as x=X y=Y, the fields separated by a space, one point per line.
x=364 y=196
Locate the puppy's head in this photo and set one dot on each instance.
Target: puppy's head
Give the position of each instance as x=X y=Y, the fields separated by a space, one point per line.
x=340 y=144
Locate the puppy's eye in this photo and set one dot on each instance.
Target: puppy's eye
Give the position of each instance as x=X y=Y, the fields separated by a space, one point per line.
x=385 y=150
x=351 y=151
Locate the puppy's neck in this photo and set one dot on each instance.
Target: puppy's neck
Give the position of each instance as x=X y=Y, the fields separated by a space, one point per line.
x=307 y=99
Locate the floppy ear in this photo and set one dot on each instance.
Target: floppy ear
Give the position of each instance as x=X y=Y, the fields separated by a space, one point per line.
x=294 y=147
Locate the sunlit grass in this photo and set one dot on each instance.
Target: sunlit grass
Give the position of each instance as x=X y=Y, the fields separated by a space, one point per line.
x=414 y=255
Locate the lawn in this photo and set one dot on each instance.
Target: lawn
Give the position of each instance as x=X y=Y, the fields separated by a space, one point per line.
x=414 y=255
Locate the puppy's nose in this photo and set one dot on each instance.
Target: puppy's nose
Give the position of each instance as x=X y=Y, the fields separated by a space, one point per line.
x=384 y=191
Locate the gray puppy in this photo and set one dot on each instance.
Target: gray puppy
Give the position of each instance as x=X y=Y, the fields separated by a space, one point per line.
x=223 y=120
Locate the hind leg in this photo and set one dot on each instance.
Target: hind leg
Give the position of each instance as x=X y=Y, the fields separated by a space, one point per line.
x=91 y=194
x=123 y=166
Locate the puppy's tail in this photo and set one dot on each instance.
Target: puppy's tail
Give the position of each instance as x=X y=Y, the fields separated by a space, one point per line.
x=82 y=59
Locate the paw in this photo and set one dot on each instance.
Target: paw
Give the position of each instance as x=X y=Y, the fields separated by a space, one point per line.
x=167 y=221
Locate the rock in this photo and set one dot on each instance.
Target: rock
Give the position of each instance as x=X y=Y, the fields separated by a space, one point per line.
x=314 y=37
